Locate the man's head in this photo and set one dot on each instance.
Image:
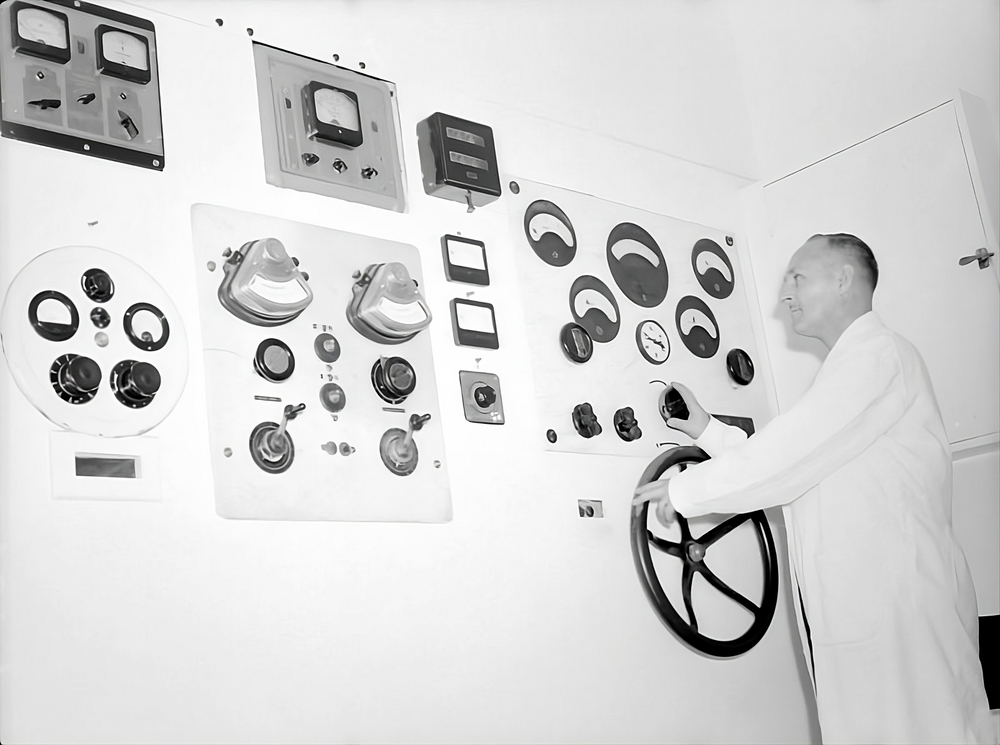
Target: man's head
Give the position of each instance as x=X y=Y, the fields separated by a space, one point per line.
x=828 y=284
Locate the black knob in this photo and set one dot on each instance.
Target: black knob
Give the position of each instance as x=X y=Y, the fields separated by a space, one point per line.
x=485 y=396
x=394 y=379
x=585 y=421
x=80 y=376
x=672 y=405
x=740 y=366
x=100 y=317
x=142 y=380
x=310 y=159
x=625 y=424
x=97 y=285
x=576 y=342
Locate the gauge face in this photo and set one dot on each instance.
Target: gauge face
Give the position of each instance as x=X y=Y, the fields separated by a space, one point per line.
x=697 y=326
x=594 y=307
x=637 y=265
x=332 y=115
x=550 y=233
x=125 y=49
x=336 y=107
x=123 y=54
x=43 y=27
x=40 y=33
x=652 y=341
x=713 y=268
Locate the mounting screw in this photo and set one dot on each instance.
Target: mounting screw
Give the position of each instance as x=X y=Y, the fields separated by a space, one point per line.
x=339 y=166
x=551 y=435
x=218 y=21
x=249 y=32
x=515 y=187
x=40 y=75
x=729 y=240
x=368 y=172
x=336 y=58
x=361 y=65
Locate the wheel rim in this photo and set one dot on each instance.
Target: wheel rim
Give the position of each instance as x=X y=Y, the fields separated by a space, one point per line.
x=692 y=552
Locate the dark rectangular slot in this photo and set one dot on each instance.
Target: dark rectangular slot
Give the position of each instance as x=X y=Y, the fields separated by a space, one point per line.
x=108 y=467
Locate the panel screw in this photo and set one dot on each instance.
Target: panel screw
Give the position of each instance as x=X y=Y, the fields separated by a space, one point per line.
x=729 y=240
x=218 y=21
x=515 y=187
x=361 y=65
x=336 y=58
x=551 y=435
x=40 y=75
x=122 y=95
x=249 y=32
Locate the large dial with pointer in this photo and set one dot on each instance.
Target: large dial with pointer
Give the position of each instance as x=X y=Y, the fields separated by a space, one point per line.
x=652 y=341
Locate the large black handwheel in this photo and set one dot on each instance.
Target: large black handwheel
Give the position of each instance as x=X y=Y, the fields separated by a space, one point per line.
x=692 y=552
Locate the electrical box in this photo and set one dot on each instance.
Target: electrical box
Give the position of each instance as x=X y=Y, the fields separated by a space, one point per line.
x=83 y=78
x=322 y=401
x=459 y=160
x=329 y=130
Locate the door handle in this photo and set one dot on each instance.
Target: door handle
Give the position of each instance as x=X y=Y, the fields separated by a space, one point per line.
x=981 y=255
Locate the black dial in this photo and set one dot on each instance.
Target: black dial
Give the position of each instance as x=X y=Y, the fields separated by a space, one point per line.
x=576 y=342
x=740 y=366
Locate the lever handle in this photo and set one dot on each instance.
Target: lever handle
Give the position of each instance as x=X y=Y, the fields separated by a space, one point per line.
x=981 y=255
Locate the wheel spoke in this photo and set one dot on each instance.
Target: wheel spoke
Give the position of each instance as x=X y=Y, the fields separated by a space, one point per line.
x=668 y=547
x=722 y=529
x=686 y=579
x=726 y=590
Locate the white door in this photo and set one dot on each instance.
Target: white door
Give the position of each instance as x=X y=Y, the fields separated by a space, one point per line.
x=908 y=194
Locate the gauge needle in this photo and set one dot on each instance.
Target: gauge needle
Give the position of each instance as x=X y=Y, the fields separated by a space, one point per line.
x=657 y=342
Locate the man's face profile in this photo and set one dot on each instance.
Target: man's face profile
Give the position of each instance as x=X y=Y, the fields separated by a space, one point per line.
x=810 y=288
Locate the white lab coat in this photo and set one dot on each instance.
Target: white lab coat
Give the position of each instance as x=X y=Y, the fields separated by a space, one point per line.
x=862 y=467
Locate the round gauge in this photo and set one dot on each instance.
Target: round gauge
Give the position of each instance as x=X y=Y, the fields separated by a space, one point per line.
x=336 y=107
x=550 y=233
x=697 y=326
x=740 y=366
x=652 y=341
x=713 y=268
x=637 y=265
x=594 y=307
x=576 y=342
x=41 y=33
x=123 y=54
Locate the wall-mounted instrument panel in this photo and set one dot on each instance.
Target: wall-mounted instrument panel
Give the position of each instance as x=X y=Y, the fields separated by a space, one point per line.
x=328 y=130
x=322 y=400
x=618 y=303
x=82 y=78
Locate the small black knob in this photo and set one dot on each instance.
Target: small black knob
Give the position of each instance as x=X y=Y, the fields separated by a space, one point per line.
x=97 y=285
x=80 y=376
x=485 y=396
x=576 y=342
x=142 y=380
x=100 y=317
x=740 y=366
x=585 y=421
x=626 y=426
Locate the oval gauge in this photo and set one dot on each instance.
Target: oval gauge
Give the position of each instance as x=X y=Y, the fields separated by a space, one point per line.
x=637 y=265
x=697 y=327
x=594 y=307
x=550 y=233
x=713 y=268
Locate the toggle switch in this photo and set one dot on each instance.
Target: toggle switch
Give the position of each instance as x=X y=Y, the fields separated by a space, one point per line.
x=585 y=421
x=135 y=384
x=46 y=103
x=398 y=449
x=271 y=447
x=131 y=131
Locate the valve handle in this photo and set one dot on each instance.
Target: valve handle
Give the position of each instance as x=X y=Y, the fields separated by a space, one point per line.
x=982 y=255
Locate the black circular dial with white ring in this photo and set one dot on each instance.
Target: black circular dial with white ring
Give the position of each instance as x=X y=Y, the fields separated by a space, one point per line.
x=697 y=326
x=637 y=265
x=713 y=268
x=652 y=341
x=550 y=233
x=594 y=307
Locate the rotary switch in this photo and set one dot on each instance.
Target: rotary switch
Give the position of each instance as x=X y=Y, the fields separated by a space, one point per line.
x=135 y=383
x=740 y=366
x=393 y=379
x=585 y=421
x=75 y=378
x=97 y=285
x=485 y=396
x=625 y=424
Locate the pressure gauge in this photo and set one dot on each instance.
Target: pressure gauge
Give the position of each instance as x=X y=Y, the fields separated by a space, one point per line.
x=332 y=114
x=40 y=32
x=652 y=341
x=123 y=54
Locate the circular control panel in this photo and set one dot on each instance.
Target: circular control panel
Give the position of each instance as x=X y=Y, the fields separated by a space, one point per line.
x=121 y=381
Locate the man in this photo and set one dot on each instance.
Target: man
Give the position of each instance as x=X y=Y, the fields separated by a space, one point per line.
x=862 y=467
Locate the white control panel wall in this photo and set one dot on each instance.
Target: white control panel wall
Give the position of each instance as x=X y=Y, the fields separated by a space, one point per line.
x=274 y=297
x=620 y=302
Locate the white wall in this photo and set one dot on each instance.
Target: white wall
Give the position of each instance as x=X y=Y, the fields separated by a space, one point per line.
x=517 y=621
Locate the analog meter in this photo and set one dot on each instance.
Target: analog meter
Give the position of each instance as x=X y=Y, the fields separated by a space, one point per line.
x=40 y=32
x=332 y=114
x=122 y=54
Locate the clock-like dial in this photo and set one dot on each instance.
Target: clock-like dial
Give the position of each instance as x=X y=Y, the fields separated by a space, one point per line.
x=41 y=33
x=652 y=341
x=335 y=107
x=123 y=54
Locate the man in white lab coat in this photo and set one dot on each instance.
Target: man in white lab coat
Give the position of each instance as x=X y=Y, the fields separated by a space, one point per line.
x=862 y=467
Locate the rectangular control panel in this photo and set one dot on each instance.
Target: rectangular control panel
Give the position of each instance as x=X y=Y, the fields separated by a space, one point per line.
x=322 y=401
x=83 y=78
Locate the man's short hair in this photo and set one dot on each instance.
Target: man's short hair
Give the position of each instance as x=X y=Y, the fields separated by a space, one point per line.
x=859 y=251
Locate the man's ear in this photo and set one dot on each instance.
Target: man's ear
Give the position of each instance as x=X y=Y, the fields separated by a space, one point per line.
x=845 y=278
